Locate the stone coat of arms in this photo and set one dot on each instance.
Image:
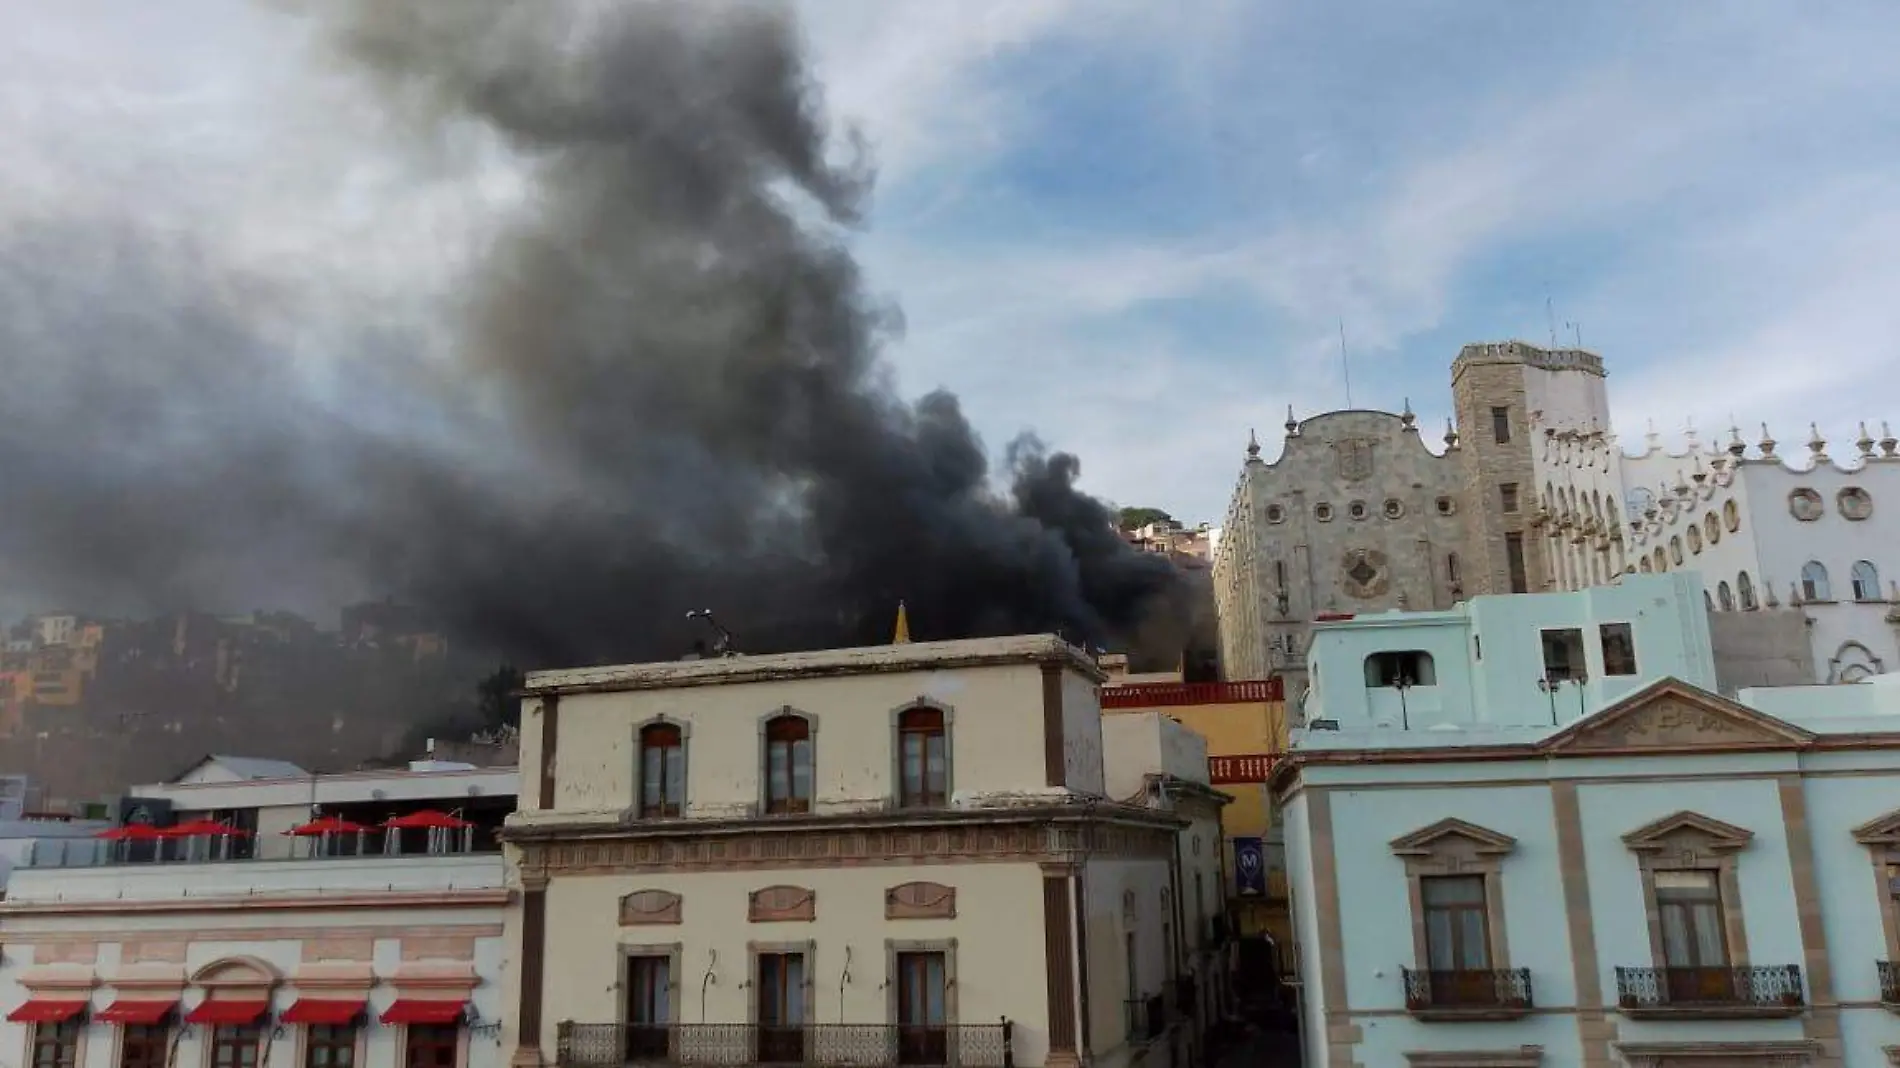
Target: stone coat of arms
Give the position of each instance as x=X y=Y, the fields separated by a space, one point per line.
x=1355 y=459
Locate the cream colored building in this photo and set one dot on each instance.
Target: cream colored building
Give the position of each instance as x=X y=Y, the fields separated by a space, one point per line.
x=259 y=949
x=905 y=854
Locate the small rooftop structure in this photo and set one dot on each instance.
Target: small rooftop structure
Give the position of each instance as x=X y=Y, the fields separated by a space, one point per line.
x=216 y=768
x=1509 y=666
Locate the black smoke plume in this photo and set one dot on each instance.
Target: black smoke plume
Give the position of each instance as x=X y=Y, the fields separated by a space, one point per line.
x=663 y=387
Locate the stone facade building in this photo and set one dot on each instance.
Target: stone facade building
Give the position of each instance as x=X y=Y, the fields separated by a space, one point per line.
x=1532 y=492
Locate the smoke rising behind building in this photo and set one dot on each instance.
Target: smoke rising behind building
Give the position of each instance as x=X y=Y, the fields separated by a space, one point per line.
x=658 y=385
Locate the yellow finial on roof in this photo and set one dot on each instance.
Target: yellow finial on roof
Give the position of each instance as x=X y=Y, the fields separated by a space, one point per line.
x=902 y=637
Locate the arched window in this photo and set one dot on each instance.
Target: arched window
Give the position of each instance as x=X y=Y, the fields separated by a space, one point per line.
x=1814 y=582
x=1662 y=561
x=1409 y=668
x=1725 y=595
x=1646 y=565
x=662 y=770
x=788 y=764
x=923 y=758
x=1708 y=601
x=1866 y=581
x=1451 y=569
x=1745 y=587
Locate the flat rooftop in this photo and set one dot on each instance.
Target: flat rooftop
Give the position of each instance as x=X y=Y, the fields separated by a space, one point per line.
x=821 y=663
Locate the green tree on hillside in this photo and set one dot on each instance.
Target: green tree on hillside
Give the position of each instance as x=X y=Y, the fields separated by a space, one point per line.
x=1134 y=518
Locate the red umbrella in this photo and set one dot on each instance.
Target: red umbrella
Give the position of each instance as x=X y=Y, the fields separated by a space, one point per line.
x=131 y=832
x=203 y=829
x=326 y=825
x=429 y=819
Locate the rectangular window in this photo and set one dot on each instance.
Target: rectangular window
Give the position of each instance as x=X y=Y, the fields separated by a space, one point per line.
x=1501 y=425
x=788 y=764
x=649 y=980
x=1407 y=668
x=146 y=1046
x=235 y=1047
x=662 y=770
x=326 y=1046
x=1507 y=496
x=781 y=1017
x=56 y=1045
x=921 y=1009
x=923 y=758
x=1514 y=559
x=1619 y=649
x=431 y=1046
x=1563 y=654
x=1695 y=946
x=1456 y=935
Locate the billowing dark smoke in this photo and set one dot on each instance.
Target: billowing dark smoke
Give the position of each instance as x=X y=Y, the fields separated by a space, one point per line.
x=665 y=390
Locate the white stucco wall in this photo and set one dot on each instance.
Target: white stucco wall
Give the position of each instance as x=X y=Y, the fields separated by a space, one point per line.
x=996 y=738
x=998 y=933
x=334 y=902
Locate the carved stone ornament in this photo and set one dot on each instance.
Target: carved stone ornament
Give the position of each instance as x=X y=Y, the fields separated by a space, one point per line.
x=649 y=907
x=1364 y=573
x=920 y=901
x=782 y=904
x=1671 y=715
x=1355 y=459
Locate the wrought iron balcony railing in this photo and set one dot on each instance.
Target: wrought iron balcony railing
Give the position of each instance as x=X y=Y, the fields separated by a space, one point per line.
x=1889 y=981
x=1770 y=990
x=590 y=1045
x=1495 y=991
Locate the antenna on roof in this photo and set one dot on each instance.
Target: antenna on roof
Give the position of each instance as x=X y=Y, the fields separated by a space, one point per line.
x=1576 y=329
x=723 y=644
x=1345 y=369
x=1550 y=313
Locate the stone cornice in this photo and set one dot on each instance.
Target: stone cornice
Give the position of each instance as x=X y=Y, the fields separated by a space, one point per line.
x=826 y=663
x=1065 y=835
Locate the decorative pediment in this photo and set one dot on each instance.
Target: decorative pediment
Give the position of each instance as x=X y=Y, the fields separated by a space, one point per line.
x=235 y=973
x=782 y=904
x=1671 y=715
x=649 y=907
x=920 y=901
x=1521 y=1057
x=1453 y=837
x=1884 y=831
x=1687 y=831
x=1760 y=1053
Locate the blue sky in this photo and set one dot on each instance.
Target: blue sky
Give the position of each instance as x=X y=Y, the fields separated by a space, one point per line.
x=1135 y=228
x=1137 y=231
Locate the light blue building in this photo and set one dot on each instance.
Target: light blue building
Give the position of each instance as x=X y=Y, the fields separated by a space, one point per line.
x=1511 y=661
x=1527 y=833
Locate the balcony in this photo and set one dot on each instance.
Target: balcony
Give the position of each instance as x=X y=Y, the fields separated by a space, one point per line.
x=587 y=1045
x=1710 y=993
x=1503 y=994
x=1889 y=983
x=1147 y=1018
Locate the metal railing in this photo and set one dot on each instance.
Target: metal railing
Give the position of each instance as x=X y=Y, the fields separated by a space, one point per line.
x=97 y=853
x=1502 y=988
x=1774 y=986
x=1889 y=981
x=591 y=1045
